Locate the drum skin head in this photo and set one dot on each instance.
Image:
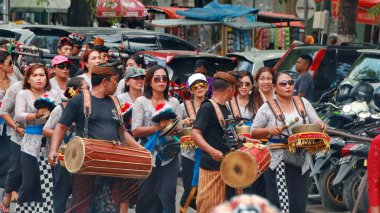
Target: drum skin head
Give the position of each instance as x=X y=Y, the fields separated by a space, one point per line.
x=238 y=169
x=74 y=155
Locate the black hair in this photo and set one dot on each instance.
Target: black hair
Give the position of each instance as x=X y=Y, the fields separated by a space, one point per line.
x=3 y=56
x=148 y=79
x=101 y=49
x=220 y=84
x=277 y=75
x=97 y=79
x=202 y=63
x=138 y=59
x=308 y=59
x=73 y=83
x=4 y=41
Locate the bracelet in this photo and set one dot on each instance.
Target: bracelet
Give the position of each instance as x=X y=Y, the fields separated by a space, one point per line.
x=269 y=135
x=16 y=127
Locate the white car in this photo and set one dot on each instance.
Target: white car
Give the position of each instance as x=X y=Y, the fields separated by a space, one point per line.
x=254 y=60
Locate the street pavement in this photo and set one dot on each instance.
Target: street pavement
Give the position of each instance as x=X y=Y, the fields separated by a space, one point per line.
x=316 y=207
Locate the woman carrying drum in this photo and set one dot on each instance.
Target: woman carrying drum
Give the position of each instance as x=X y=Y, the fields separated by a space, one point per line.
x=198 y=87
x=62 y=178
x=157 y=192
x=134 y=83
x=284 y=176
x=37 y=180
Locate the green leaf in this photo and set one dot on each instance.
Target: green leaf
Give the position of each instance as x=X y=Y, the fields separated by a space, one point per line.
x=374 y=11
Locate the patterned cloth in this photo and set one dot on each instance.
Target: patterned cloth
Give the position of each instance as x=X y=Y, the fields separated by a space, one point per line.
x=281 y=187
x=211 y=190
x=46 y=181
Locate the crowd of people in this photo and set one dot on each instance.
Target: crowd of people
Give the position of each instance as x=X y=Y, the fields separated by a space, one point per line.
x=42 y=110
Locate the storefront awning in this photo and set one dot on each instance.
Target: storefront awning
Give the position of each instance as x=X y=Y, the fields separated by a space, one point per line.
x=169 y=11
x=182 y=22
x=270 y=17
x=120 y=8
x=364 y=3
x=248 y=25
x=53 y=6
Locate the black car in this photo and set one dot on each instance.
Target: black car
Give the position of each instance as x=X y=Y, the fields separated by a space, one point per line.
x=330 y=63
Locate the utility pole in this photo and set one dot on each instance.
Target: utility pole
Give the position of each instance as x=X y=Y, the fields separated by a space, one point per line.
x=6 y=14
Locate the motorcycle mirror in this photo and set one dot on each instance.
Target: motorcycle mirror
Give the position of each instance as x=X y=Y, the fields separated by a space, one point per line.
x=364 y=115
x=347 y=108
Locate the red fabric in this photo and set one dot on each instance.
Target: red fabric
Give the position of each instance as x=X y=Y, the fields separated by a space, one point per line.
x=374 y=172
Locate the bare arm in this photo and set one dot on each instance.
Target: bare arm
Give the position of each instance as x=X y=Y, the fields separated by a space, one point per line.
x=131 y=141
x=48 y=133
x=56 y=139
x=145 y=130
x=196 y=135
x=10 y=122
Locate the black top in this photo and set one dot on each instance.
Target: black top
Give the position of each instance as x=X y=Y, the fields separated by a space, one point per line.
x=304 y=84
x=103 y=122
x=213 y=133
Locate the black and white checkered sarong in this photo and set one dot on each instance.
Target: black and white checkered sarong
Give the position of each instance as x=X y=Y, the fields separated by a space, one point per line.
x=46 y=181
x=281 y=187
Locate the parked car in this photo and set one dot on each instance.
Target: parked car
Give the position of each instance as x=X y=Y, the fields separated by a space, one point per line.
x=254 y=60
x=180 y=65
x=330 y=63
x=14 y=33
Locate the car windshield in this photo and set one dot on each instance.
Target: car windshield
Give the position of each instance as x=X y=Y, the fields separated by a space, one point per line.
x=47 y=42
x=290 y=59
x=366 y=68
x=245 y=66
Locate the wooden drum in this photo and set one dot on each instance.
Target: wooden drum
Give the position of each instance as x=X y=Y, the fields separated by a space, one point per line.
x=103 y=158
x=239 y=169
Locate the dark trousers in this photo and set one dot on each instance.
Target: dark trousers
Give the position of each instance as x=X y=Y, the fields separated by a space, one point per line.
x=296 y=184
x=257 y=188
x=187 y=177
x=5 y=151
x=14 y=177
x=30 y=189
x=158 y=191
x=61 y=189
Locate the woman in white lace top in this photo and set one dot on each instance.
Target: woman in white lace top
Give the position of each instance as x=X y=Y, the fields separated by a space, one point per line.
x=35 y=190
x=157 y=192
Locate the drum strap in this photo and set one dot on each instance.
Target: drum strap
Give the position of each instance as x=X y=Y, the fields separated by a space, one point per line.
x=120 y=114
x=276 y=110
x=235 y=108
x=86 y=110
x=218 y=112
x=300 y=106
x=190 y=109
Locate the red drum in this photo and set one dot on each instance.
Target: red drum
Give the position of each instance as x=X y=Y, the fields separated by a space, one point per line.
x=103 y=158
x=239 y=169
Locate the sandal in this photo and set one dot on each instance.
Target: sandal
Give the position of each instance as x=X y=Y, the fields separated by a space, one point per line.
x=4 y=208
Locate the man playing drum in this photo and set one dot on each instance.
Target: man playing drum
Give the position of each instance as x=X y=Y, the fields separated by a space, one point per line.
x=103 y=124
x=209 y=136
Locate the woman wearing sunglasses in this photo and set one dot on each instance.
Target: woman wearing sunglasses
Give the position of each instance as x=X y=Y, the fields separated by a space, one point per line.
x=290 y=181
x=61 y=68
x=198 y=88
x=156 y=193
x=5 y=144
x=62 y=178
x=36 y=173
x=132 y=61
x=242 y=105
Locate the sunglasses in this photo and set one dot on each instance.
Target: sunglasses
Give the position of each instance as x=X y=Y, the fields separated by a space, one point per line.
x=138 y=77
x=201 y=85
x=244 y=84
x=63 y=66
x=283 y=83
x=162 y=78
x=9 y=63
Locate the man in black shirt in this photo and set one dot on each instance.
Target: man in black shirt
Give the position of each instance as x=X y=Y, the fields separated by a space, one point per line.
x=103 y=124
x=208 y=136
